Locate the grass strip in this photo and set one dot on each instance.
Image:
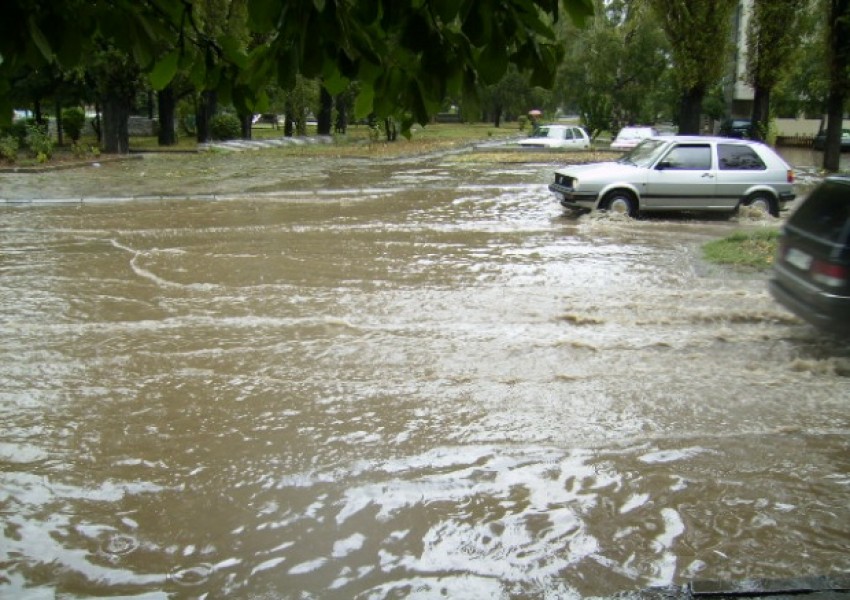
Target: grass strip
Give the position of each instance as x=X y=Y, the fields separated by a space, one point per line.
x=745 y=249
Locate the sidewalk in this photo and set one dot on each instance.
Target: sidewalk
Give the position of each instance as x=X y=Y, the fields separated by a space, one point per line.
x=242 y=145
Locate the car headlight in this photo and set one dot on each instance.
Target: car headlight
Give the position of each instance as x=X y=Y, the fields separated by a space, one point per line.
x=575 y=184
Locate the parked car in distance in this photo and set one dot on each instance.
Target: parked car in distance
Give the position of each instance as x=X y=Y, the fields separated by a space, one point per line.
x=629 y=137
x=736 y=128
x=820 y=140
x=811 y=272
x=680 y=173
x=557 y=136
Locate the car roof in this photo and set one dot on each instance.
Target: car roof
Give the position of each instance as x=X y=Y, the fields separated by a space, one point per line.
x=704 y=138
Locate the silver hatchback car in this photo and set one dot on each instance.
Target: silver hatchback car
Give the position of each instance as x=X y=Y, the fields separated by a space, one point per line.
x=681 y=173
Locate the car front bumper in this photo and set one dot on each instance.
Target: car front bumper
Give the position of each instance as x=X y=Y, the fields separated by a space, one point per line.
x=572 y=199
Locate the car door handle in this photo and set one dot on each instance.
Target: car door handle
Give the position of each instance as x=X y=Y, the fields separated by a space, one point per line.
x=708 y=174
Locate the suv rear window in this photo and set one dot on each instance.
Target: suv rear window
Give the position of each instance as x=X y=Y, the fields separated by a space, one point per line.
x=734 y=157
x=826 y=212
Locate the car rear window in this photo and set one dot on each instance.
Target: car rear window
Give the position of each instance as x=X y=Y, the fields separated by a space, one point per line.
x=735 y=157
x=826 y=212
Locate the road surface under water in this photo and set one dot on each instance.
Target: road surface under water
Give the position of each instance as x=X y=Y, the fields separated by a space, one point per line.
x=352 y=379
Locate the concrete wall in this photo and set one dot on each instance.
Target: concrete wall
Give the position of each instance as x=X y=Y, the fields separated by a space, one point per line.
x=797 y=127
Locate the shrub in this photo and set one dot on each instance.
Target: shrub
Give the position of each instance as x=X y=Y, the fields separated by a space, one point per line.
x=9 y=148
x=39 y=142
x=225 y=126
x=73 y=120
x=82 y=151
x=18 y=130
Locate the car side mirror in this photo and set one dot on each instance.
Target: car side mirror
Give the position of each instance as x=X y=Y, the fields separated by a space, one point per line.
x=664 y=164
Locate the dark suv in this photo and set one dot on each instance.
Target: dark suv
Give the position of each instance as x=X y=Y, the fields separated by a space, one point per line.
x=811 y=274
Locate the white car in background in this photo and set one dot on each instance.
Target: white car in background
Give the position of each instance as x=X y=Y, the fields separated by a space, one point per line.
x=629 y=137
x=557 y=136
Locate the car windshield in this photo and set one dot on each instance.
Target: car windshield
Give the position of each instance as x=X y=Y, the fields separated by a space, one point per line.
x=542 y=132
x=643 y=154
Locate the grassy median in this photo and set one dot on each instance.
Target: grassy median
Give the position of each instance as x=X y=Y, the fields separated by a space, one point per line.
x=744 y=249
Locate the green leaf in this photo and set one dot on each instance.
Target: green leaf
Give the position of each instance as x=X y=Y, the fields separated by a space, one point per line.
x=70 y=53
x=198 y=74
x=234 y=51
x=388 y=91
x=365 y=101
x=39 y=39
x=263 y=15
x=366 y=11
x=334 y=82
x=579 y=10
x=478 y=25
x=164 y=70
x=5 y=106
x=447 y=10
x=493 y=62
x=287 y=68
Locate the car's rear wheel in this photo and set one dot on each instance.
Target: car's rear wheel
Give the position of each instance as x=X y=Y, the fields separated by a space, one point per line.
x=763 y=202
x=620 y=202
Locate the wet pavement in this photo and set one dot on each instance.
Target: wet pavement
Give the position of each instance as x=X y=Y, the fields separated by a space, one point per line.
x=246 y=376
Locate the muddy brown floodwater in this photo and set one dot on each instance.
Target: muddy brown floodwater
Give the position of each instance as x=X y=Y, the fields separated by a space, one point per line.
x=411 y=378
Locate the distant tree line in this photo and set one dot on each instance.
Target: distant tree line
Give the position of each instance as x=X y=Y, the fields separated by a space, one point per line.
x=612 y=62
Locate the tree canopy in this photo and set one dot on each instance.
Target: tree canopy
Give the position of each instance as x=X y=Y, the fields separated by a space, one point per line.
x=698 y=33
x=406 y=55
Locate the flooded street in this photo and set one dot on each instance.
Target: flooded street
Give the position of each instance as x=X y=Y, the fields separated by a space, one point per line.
x=395 y=379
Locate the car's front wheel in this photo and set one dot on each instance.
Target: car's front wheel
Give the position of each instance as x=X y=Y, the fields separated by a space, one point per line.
x=763 y=202
x=620 y=202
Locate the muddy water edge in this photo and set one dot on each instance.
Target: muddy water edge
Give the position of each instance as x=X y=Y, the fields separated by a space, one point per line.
x=244 y=376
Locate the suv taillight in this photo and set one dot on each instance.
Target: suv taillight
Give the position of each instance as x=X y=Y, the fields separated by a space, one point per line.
x=829 y=274
x=789 y=174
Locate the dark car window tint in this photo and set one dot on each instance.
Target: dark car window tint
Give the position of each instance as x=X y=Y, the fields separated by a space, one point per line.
x=732 y=157
x=826 y=212
x=695 y=157
x=568 y=134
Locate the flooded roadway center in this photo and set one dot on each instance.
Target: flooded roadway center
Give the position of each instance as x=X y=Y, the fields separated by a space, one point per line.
x=238 y=375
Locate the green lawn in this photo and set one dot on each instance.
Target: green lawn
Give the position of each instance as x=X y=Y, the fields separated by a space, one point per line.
x=747 y=249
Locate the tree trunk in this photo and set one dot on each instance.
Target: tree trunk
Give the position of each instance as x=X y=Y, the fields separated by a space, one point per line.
x=206 y=109
x=245 y=123
x=288 y=120
x=166 y=109
x=839 y=59
x=96 y=122
x=391 y=129
x=58 y=123
x=116 y=135
x=325 y=113
x=690 y=111
x=497 y=116
x=834 y=123
x=341 y=115
x=761 y=114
